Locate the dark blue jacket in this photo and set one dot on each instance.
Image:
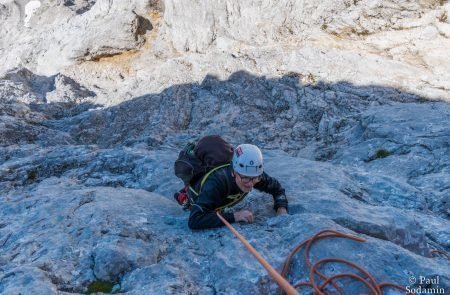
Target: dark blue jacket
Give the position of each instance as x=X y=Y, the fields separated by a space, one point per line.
x=220 y=191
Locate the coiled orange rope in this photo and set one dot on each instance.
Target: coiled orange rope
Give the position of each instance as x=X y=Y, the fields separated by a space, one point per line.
x=275 y=275
x=370 y=282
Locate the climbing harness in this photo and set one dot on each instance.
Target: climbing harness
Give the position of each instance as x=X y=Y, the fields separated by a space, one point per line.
x=279 y=279
x=206 y=177
x=236 y=198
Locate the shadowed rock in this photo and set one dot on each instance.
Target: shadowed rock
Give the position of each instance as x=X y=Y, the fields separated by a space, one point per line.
x=101 y=226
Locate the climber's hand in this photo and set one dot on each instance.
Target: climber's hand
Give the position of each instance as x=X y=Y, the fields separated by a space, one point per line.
x=243 y=215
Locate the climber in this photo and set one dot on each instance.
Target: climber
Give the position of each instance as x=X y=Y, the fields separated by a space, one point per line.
x=227 y=185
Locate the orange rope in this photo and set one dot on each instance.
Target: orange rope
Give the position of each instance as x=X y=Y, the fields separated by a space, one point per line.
x=291 y=255
x=350 y=275
x=440 y=252
x=370 y=282
x=375 y=288
x=275 y=275
x=317 y=289
x=333 y=233
x=302 y=284
x=320 y=235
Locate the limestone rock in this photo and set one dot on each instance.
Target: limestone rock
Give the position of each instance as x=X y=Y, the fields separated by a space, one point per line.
x=76 y=34
x=347 y=99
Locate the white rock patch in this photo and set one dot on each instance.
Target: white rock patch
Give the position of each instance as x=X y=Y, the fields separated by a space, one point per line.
x=30 y=9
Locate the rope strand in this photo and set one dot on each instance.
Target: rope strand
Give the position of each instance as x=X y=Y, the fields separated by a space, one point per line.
x=374 y=287
x=275 y=275
x=370 y=282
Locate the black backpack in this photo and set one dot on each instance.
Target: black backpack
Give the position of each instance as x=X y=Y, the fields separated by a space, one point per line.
x=198 y=158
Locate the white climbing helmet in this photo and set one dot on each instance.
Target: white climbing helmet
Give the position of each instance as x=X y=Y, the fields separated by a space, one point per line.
x=248 y=160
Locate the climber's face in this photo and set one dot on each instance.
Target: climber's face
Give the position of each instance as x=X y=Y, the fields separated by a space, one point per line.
x=246 y=183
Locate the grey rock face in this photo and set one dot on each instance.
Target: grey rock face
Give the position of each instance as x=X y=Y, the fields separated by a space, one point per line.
x=106 y=228
x=347 y=99
x=81 y=31
x=67 y=90
x=21 y=126
x=333 y=41
x=25 y=86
